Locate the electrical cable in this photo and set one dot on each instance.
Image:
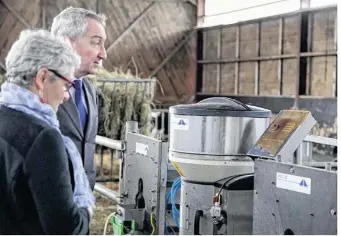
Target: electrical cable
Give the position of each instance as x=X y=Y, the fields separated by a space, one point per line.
x=106 y=223
x=171 y=227
x=228 y=180
x=167 y=200
x=152 y=223
x=176 y=186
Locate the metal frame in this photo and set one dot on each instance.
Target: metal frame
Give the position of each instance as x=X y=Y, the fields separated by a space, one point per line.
x=162 y=173
x=304 y=152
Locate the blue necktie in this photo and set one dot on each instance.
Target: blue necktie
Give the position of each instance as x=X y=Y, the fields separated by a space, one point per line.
x=79 y=101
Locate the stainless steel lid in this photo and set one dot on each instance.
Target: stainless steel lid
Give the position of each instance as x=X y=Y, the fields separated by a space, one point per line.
x=220 y=106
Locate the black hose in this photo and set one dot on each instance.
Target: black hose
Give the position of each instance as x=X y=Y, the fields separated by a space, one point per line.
x=198 y=214
x=223 y=212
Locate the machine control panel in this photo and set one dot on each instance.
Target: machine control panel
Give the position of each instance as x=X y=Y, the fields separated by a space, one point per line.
x=284 y=134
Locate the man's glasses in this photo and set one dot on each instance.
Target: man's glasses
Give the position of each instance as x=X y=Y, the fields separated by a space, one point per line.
x=67 y=86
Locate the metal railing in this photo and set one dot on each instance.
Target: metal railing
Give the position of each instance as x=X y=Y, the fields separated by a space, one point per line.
x=304 y=153
x=160 y=124
x=114 y=148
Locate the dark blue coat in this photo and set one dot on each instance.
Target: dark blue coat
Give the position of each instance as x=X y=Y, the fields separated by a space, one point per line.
x=36 y=184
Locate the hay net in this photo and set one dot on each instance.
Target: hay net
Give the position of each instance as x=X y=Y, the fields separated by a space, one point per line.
x=121 y=100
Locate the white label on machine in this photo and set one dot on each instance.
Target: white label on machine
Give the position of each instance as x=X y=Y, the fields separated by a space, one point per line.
x=142 y=149
x=293 y=183
x=180 y=124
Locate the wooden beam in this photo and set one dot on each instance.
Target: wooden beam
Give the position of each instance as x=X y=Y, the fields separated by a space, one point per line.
x=298 y=60
x=132 y=24
x=11 y=9
x=335 y=61
x=267 y=58
x=192 y=2
x=43 y=13
x=3 y=67
x=172 y=53
x=280 y=52
x=219 y=58
x=236 y=64
x=309 y=59
x=200 y=12
x=258 y=43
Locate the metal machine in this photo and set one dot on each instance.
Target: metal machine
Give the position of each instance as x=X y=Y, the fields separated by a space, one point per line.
x=145 y=178
x=238 y=175
x=294 y=199
x=208 y=145
x=290 y=198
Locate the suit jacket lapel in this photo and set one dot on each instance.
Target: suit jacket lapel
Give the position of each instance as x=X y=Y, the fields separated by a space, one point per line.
x=71 y=109
x=90 y=102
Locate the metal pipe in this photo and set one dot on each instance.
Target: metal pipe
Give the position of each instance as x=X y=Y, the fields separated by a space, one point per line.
x=107 y=192
x=328 y=166
x=321 y=164
x=110 y=143
x=321 y=140
x=131 y=127
x=124 y=80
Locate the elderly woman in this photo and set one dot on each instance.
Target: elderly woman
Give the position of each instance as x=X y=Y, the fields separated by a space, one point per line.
x=43 y=187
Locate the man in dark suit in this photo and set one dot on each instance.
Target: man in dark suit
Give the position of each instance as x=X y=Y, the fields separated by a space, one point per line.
x=78 y=117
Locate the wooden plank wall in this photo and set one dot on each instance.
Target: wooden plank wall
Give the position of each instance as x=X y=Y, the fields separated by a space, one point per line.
x=260 y=57
x=147 y=31
x=323 y=69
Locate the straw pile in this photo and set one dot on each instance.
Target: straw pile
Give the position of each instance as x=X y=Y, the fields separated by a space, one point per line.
x=123 y=98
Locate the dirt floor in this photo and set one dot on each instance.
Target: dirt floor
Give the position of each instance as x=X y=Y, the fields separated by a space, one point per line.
x=104 y=207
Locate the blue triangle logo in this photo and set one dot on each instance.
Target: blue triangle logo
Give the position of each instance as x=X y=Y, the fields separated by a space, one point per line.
x=303 y=183
x=182 y=122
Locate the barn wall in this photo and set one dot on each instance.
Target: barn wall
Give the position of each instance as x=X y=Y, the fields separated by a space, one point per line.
x=274 y=56
x=147 y=31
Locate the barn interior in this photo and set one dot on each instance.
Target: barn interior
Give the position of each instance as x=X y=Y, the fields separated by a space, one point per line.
x=216 y=117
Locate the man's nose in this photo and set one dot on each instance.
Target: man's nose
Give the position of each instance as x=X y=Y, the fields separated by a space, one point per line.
x=66 y=96
x=103 y=53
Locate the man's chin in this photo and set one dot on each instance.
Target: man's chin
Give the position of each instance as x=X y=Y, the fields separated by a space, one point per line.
x=95 y=69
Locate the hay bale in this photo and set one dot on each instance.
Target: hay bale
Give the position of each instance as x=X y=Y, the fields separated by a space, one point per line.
x=122 y=97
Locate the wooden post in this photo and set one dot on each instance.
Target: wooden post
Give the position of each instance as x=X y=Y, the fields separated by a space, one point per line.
x=309 y=59
x=200 y=12
x=298 y=58
x=236 y=64
x=280 y=52
x=258 y=42
x=219 y=58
